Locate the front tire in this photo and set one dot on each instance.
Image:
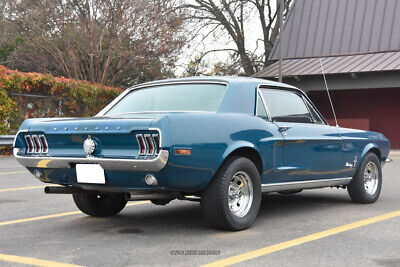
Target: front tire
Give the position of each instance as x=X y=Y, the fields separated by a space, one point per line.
x=232 y=199
x=366 y=185
x=100 y=205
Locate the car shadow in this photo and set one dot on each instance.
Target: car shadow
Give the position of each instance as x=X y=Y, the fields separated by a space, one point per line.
x=301 y=202
x=182 y=217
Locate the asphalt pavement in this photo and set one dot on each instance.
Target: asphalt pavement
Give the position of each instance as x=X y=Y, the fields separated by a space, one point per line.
x=314 y=227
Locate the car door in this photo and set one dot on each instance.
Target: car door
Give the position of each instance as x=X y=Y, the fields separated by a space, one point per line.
x=311 y=148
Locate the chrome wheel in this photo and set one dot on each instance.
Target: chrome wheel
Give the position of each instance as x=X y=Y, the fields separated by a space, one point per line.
x=240 y=194
x=371 y=178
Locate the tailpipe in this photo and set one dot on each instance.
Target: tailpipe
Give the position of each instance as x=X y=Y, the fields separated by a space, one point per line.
x=148 y=196
x=63 y=190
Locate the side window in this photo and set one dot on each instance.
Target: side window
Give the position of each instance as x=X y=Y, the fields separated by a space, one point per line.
x=286 y=106
x=316 y=118
x=260 y=109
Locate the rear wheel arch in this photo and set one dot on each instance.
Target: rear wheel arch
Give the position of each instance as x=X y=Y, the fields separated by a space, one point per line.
x=247 y=152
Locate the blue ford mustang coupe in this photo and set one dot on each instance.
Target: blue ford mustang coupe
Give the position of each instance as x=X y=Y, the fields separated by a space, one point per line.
x=221 y=141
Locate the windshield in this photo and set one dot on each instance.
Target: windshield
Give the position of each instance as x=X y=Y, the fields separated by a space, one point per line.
x=169 y=98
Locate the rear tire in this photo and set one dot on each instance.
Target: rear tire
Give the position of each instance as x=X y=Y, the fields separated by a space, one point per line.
x=100 y=205
x=366 y=185
x=232 y=199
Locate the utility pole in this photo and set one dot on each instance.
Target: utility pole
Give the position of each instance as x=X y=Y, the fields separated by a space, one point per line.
x=281 y=5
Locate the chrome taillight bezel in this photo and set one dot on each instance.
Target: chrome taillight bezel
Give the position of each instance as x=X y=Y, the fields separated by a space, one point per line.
x=148 y=144
x=36 y=144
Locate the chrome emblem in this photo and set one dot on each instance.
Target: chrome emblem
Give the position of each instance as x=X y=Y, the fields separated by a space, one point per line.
x=89 y=146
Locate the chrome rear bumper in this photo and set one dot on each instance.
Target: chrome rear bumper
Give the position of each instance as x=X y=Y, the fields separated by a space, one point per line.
x=155 y=164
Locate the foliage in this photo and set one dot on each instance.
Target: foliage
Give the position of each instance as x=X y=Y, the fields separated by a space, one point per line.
x=7 y=110
x=77 y=98
x=197 y=67
x=8 y=48
x=235 y=20
x=118 y=42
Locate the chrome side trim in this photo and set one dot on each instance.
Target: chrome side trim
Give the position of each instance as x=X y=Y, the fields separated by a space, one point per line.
x=276 y=187
x=263 y=101
x=155 y=164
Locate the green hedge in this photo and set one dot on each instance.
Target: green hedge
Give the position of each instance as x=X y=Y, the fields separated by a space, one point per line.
x=21 y=97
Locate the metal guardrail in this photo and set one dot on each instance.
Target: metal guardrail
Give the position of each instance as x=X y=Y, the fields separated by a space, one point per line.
x=6 y=140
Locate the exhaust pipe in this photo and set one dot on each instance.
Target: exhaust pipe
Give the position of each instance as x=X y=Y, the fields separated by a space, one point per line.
x=63 y=190
x=149 y=196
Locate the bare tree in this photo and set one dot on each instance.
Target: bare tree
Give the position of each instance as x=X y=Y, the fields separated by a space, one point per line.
x=111 y=42
x=215 y=17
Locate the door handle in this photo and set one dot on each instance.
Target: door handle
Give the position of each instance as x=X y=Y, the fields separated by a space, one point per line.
x=284 y=128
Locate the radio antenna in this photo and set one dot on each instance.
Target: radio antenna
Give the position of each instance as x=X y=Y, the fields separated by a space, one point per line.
x=327 y=90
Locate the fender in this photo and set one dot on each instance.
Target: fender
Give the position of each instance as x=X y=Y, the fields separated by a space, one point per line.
x=366 y=149
x=237 y=145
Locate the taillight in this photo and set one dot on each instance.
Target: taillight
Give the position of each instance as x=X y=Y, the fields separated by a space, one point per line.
x=141 y=143
x=156 y=139
x=36 y=144
x=43 y=141
x=149 y=144
x=29 y=144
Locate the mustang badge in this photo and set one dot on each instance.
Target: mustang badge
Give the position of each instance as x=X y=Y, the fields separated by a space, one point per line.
x=352 y=164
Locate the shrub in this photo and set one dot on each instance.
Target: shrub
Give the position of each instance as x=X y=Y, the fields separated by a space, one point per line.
x=38 y=95
x=7 y=111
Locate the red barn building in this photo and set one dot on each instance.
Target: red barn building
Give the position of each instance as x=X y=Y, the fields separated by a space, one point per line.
x=358 y=43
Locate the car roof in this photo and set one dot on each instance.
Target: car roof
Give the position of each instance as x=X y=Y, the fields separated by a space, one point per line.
x=239 y=98
x=223 y=79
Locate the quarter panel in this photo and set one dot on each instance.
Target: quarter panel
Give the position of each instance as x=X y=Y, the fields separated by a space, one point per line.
x=211 y=138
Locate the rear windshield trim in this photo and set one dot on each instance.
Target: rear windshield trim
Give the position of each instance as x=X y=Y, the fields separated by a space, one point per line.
x=146 y=86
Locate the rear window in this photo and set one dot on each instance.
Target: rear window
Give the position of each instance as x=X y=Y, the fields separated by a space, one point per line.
x=170 y=98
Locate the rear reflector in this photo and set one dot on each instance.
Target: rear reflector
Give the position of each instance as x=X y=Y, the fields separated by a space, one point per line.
x=186 y=152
